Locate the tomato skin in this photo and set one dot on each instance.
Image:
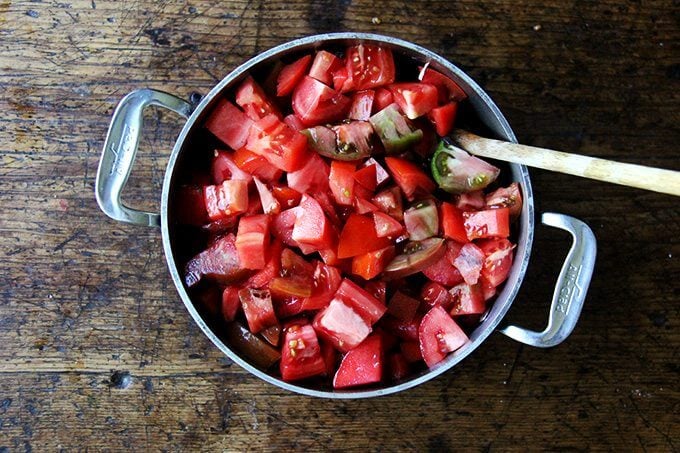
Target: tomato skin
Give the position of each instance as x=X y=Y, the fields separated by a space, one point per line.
x=323 y=67
x=497 y=260
x=409 y=177
x=326 y=282
x=361 y=301
x=467 y=300
x=362 y=365
x=487 y=223
x=414 y=99
x=229 y=124
x=367 y=67
x=383 y=98
x=252 y=241
x=230 y=303
x=311 y=177
x=447 y=88
x=252 y=99
x=341 y=182
x=443 y=272
x=443 y=118
x=358 y=236
x=362 y=105
x=452 y=223
x=291 y=74
x=377 y=289
x=226 y=199
x=341 y=325
x=256 y=165
x=438 y=335
x=371 y=264
x=258 y=308
x=315 y=103
x=282 y=146
x=301 y=354
x=367 y=177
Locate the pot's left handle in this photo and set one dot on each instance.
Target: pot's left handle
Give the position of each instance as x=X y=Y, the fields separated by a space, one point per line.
x=120 y=149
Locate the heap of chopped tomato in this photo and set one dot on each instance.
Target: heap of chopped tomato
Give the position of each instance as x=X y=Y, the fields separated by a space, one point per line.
x=329 y=248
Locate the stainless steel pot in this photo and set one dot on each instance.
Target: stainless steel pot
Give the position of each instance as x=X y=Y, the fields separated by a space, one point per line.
x=119 y=155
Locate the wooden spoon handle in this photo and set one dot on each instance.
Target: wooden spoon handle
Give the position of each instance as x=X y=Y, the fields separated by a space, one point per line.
x=640 y=176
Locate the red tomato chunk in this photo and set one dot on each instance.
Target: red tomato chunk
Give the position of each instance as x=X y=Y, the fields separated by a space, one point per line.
x=321 y=242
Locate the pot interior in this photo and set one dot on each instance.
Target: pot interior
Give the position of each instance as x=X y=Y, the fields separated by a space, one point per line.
x=194 y=148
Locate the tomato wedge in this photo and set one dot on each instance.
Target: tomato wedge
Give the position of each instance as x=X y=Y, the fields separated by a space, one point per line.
x=447 y=88
x=452 y=223
x=311 y=225
x=497 y=260
x=410 y=178
x=228 y=123
x=341 y=326
x=315 y=103
x=362 y=365
x=438 y=335
x=252 y=241
x=414 y=99
x=301 y=354
x=291 y=74
x=368 y=66
x=323 y=67
x=283 y=147
x=362 y=105
x=487 y=223
x=253 y=101
x=443 y=118
x=359 y=236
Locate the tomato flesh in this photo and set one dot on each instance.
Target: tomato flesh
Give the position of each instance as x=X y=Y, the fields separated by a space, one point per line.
x=252 y=241
x=443 y=118
x=497 y=260
x=371 y=264
x=340 y=325
x=359 y=236
x=226 y=199
x=301 y=354
x=467 y=300
x=228 y=123
x=316 y=103
x=452 y=223
x=258 y=308
x=367 y=67
x=291 y=74
x=323 y=67
x=438 y=335
x=414 y=99
x=312 y=227
x=362 y=105
x=367 y=306
x=409 y=177
x=282 y=146
x=251 y=98
x=256 y=165
x=362 y=365
x=487 y=223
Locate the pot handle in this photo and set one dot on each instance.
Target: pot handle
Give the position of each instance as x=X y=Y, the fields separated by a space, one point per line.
x=571 y=288
x=120 y=149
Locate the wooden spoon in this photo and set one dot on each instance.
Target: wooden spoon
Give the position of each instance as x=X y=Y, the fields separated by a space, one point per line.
x=640 y=176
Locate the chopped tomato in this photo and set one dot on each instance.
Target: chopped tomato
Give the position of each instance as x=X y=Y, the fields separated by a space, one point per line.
x=353 y=140
x=293 y=122
x=467 y=300
x=397 y=366
x=255 y=165
x=283 y=224
x=323 y=67
x=362 y=105
x=443 y=272
x=311 y=225
x=497 y=260
x=270 y=205
x=410 y=178
x=386 y=226
x=325 y=283
x=406 y=330
x=252 y=241
x=364 y=207
x=383 y=98
x=371 y=264
x=359 y=236
x=389 y=202
x=341 y=325
x=367 y=306
x=262 y=278
x=414 y=99
x=226 y=199
x=291 y=74
x=421 y=220
x=438 y=335
x=341 y=182
x=443 y=118
x=293 y=286
x=223 y=168
x=487 y=223
x=286 y=196
x=362 y=365
x=402 y=306
x=293 y=265
x=258 y=308
x=411 y=351
x=315 y=103
x=330 y=357
x=435 y=294
x=366 y=176
x=282 y=146
x=228 y=123
x=447 y=88
x=470 y=201
x=469 y=262
x=230 y=303
x=506 y=197
x=253 y=101
x=339 y=78
x=301 y=354
x=311 y=177
x=377 y=289
x=368 y=66
x=452 y=224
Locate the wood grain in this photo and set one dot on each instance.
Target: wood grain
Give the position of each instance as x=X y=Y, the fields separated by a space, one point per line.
x=97 y=349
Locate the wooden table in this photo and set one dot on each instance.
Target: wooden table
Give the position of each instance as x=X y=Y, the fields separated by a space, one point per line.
x=98 y=351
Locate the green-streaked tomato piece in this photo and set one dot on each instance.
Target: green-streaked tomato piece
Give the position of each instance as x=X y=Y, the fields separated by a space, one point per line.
x=324 y=141
x=354 y=137
x=394 y=131
x=456 y=171
x=421 y=220
x=416 y=257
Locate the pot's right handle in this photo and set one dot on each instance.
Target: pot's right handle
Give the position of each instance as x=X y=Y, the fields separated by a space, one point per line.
x=120 y=149
x=571 y=288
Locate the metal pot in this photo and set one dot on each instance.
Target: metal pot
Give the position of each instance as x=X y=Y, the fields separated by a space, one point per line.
x=121 y=146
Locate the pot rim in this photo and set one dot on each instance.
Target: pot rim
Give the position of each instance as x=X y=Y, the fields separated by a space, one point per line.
x=490 y=114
